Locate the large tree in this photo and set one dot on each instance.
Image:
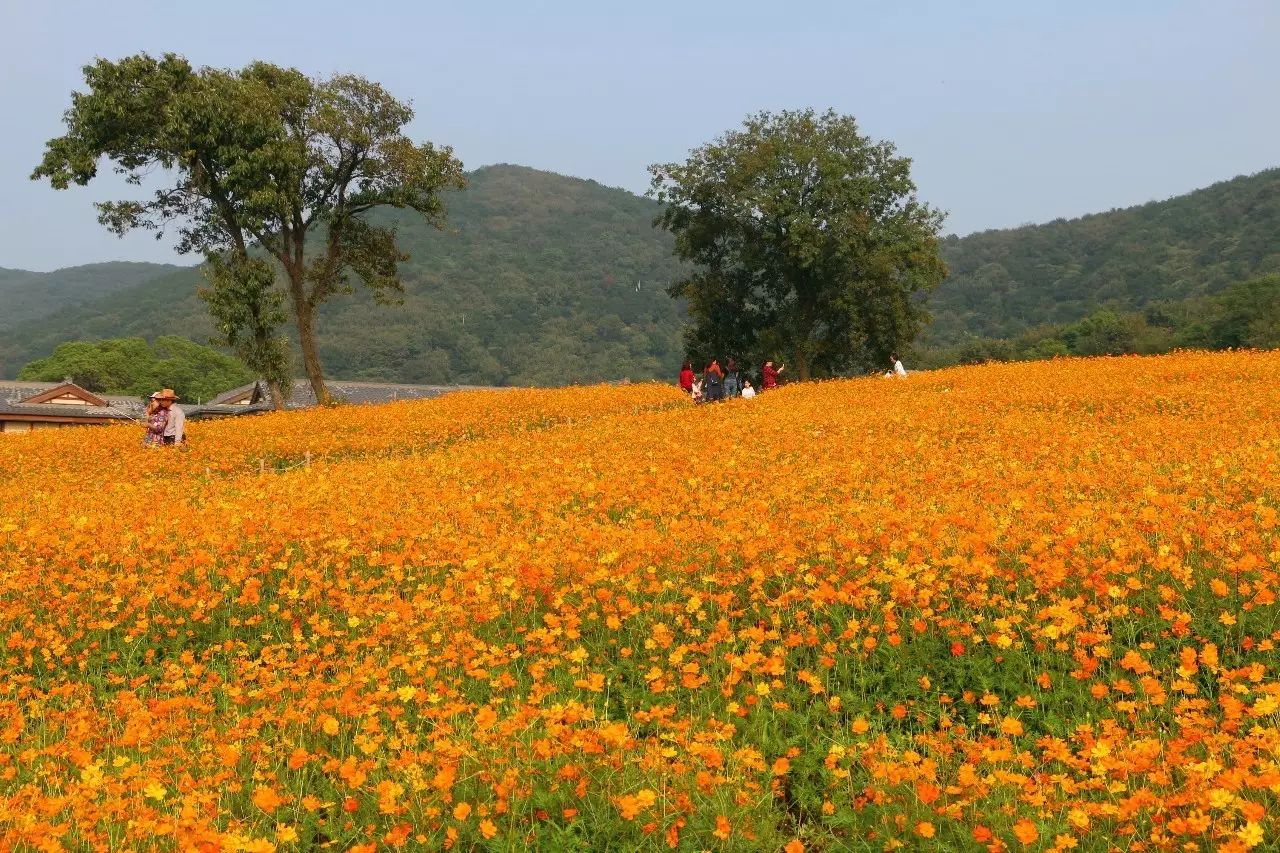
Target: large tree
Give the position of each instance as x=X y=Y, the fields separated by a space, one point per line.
x=807 y=240
x=263 y=156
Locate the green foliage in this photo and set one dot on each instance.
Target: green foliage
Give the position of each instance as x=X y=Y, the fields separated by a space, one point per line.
x=1003 y=284
x=131 y=366
x=1245 y=315
x=248 y=309
x=1101 y=333
x=807 y=240
x=260 y=156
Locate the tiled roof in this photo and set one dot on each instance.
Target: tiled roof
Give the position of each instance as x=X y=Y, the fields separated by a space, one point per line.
x=115 y=411
x=18 y=387
x=13 y=392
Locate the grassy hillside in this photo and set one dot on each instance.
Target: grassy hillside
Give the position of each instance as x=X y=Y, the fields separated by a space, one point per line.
x=1004 y=282
x=1021 y=607
x=26 y=296
x=535 y=283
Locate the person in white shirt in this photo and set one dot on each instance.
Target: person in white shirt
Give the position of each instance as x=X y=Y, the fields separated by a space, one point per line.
x=175 y=430
x=747 y=391
x=898 y=369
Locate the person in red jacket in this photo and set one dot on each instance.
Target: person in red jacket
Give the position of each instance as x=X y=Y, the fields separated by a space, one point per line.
x=713 y=381
x=686 y=378
x=769 y=375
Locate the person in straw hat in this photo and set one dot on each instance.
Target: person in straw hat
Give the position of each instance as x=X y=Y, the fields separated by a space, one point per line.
x=155 y=419
x=175 y=428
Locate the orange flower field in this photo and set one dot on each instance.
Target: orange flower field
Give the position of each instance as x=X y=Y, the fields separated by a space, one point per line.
x=1024 y=606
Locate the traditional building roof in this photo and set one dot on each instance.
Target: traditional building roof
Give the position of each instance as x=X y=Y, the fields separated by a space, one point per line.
x=64 y=402
x=68 y=393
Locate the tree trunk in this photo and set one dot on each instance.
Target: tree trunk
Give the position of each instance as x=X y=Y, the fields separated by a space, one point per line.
x=804 y=337
x=802 y=364
x=310 y=354
x=277 y=396
x=305 y=313
x=291 y=256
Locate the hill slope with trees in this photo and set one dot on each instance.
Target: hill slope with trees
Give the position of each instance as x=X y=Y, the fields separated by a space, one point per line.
x=538 y=279
x=535 y=282
x=26 y=296
x=1003 y=283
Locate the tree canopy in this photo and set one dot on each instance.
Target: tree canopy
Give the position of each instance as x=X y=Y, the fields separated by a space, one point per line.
x=807 y=240
x=132 y=366
x=248 y=309
x=262 y=156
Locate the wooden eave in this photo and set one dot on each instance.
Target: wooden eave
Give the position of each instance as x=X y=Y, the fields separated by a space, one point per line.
x=63 y=390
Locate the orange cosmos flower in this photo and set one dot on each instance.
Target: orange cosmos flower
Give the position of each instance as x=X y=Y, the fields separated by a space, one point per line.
x=266 y=798
x=1025 y=831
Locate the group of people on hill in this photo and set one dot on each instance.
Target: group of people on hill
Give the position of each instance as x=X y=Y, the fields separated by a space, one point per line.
x=165 y=422
x=721 y=383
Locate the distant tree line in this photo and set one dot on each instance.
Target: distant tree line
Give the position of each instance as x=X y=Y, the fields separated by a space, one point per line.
x=1245 y=315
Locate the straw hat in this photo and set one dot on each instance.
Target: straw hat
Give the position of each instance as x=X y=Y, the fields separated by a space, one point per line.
x=165 y=394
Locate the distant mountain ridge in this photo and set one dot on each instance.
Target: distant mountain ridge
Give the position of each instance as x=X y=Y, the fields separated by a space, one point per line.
x=1004 y=282
x=28 y=295
x=545 y=279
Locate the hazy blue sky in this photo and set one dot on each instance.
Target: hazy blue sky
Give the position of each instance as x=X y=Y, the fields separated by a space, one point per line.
x=1013 y=111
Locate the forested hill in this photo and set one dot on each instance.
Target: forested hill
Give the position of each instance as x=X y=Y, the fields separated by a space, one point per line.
x=27 y=295
x=539 y=279
x=1004 y=282
x=546 y=279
